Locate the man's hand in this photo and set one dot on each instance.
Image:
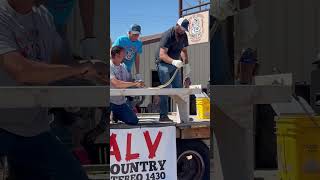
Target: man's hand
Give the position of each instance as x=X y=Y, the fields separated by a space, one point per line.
x=87 y=72
x=99 y=65
x=89 y=48
x=139 y=84
x=187 y=82
x=186 y=75
x=177 y=63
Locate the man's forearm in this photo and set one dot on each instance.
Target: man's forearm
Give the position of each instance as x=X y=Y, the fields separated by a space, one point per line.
x=122 y=84
x=32 y=72
x=43 y=75
x=184 y=56
x=137 y=63
x=166 y=58
x=87 y=16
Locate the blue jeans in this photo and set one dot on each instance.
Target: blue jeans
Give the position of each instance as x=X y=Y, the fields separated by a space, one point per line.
x=124 y=113
x=39 y=157
x=165 y=72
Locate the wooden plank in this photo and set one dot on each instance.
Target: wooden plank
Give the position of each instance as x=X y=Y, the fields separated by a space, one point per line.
x=195 y=133
x=53 y=96
x=283 y=79
x=181 y=128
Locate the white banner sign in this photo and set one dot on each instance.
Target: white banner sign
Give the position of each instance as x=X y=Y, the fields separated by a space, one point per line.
x=143 y=154
x=198 y=28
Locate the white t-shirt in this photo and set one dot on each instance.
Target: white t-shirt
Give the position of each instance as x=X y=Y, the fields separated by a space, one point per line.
x=34 y=36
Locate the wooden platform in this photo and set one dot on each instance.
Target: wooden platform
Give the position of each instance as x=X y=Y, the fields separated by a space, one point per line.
x=193 y=129
x=180 y=97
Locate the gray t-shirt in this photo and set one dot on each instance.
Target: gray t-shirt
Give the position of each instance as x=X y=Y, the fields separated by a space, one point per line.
x=169 y=40
x=34 y=36
x=120 y=73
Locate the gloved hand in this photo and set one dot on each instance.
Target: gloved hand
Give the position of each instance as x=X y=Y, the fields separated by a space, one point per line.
x=177 y=63
x=89 y=48
x=138 y=77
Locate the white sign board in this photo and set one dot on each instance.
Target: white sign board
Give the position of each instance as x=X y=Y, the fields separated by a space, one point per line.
x=198 y=27
x=143 y=153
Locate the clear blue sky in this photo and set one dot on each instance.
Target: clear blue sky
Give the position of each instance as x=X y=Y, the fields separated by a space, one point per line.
x=154 y=16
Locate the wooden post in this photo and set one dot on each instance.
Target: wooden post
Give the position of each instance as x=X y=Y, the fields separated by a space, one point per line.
x=180 y=8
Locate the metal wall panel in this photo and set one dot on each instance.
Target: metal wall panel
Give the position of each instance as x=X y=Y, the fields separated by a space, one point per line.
x=288 y=36
x=199 y=60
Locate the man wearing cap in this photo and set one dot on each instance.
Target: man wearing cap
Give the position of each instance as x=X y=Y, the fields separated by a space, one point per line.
x=133 y=47
x=171 y=55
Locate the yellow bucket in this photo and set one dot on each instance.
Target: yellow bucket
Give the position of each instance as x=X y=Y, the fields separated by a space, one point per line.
x=203 y=108
x=298 y=147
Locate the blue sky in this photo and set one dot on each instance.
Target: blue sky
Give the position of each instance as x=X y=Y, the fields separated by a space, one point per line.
x=154 y=16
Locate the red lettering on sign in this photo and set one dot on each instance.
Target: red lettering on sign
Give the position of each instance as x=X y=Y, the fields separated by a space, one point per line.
x=130 y=156
x=115 y=148
x=152 y=147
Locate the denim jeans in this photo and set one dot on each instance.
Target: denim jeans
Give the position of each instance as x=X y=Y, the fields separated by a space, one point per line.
x=124 y=113
x=165 y=72
x=39 y=157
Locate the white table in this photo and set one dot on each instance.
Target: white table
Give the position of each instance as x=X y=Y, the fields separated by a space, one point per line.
x=233 y=126
x=87 y=96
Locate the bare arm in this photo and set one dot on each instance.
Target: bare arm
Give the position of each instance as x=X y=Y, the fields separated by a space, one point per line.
x=137 y=63
x=163 y=54
x=184 y=55
x=30 y=72
x=122 y=84
x=87 y=16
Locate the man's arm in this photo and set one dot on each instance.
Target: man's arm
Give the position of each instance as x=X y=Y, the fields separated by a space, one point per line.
x=163 y=54
x=30 y=72
x=122 y=84
x=87 y=16
x=184 y=55
x=137 y=63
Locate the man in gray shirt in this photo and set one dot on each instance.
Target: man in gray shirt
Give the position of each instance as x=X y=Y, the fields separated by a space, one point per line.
x=28 y=41
x=120 y=79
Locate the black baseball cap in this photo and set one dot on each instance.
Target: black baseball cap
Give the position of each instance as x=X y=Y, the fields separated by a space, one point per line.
x=184 y=23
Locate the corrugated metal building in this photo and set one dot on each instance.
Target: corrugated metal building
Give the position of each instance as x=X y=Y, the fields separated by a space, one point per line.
x=199 y=59
x=288 y=37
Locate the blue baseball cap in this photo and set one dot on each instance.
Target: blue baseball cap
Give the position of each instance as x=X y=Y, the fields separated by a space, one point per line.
x=135 y=29
x=184 y=23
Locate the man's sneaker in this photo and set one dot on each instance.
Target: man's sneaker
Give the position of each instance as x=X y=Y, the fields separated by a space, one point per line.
x=165 y=119
x=113 y=119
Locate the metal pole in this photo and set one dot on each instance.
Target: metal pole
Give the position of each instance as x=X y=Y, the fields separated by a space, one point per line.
x=180 y=8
